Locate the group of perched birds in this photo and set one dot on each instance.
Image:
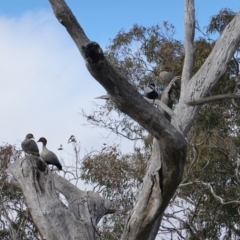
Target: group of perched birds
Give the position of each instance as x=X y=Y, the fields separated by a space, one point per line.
x=29 y=146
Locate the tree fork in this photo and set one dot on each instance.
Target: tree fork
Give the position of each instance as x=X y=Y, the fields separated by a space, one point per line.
x=53 y=219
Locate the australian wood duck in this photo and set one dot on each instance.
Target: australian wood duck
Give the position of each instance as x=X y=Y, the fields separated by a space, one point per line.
x=29 y=146
x=48 y=156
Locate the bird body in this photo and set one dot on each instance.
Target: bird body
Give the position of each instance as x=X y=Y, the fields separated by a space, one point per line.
x=151 y=91
x=48 y=156
x=29 y=146
x=165 y=77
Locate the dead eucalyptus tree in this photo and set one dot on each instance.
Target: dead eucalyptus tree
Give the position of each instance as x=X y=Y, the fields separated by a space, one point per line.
x=79 y=218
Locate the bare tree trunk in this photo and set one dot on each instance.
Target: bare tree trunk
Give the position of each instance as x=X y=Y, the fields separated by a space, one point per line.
x=53 y=219
x=166 y=164
x=165 y=168
x=208 y=75
x=188 y=43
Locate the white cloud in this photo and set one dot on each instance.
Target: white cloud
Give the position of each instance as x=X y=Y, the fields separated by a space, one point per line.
x=44 y=83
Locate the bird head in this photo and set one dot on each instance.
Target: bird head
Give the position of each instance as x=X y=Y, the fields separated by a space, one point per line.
x=29 y=136
x=43 y=140
x=72 y=139
x=152 y=85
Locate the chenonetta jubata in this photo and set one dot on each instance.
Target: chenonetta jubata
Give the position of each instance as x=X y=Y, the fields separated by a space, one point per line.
x=48 y=156
x=29 y=146
x=151 y=91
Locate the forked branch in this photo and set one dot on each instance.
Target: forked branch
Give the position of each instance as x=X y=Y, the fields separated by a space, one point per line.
x=166 y=164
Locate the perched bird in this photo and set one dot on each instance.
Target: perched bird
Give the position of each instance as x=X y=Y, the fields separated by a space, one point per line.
x=165 y=77
x=151 y=91
x=29 y=146
x=48 y=156
x=72 y=139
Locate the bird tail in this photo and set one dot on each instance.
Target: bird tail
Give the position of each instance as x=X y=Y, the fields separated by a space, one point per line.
x=59 y=166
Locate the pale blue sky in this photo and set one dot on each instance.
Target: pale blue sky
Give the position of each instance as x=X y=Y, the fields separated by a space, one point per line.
x=103 y=19
x=44 y=82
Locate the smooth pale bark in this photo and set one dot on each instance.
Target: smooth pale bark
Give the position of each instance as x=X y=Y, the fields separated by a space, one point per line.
x=189 y=23
x=208 y=75
x=165 y=168
x=214 y=98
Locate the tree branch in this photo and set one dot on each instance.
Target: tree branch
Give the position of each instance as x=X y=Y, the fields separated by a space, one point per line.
x=219 y=199
x=161 y=106
x=79 y=201
x=122 y=93
x=186 y=223
x=214 y=98
x=50 y=215
x=189 y=23
x=67 y=19
x=208 y=75
x=159 y=185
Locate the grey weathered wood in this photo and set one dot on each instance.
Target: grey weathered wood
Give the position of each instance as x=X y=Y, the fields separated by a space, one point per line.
x=214 y=98
x=189 y=22
x=155 y=166
x=160 y=104
x=208 y=75
x=79 y=201
x=53 y=219
x=165 y=168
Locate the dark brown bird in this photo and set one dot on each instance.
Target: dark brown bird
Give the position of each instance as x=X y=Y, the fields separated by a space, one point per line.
x=48 y=156
x=29 y=146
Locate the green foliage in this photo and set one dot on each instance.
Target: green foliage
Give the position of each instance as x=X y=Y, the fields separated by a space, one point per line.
x=140 y=55
x=117 y=177
x=14 y=216
x=219 y=22
x=202 y=49
x=212 y=158
x=214 y=163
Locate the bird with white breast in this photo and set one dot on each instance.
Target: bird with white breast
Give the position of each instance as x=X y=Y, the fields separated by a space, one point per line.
x=151 y=92
x=48 y=156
